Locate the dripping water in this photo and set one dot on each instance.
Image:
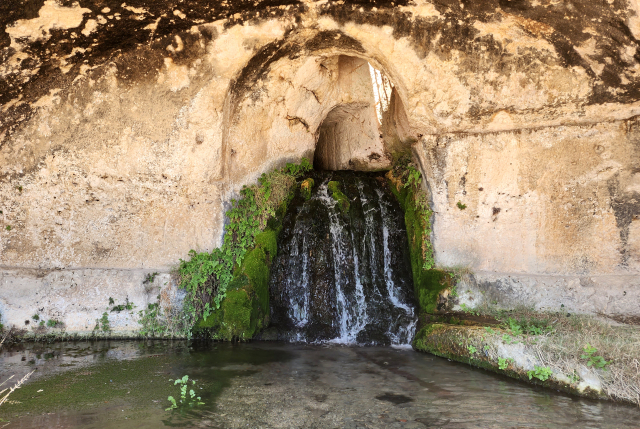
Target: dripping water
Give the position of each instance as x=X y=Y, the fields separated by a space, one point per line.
x=344 y=277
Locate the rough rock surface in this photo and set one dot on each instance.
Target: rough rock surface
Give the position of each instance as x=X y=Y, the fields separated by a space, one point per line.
x=126 y=128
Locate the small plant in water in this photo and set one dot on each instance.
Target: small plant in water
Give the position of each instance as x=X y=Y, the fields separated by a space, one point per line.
x=542 y=373
x=186 y=399
x=597 y=361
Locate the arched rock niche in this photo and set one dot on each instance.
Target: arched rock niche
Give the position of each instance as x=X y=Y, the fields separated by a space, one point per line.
x=325 y=106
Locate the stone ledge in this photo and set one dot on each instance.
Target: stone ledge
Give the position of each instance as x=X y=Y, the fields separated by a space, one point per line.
x=78 y=299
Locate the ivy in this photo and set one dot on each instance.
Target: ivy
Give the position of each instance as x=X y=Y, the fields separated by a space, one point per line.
x=206 y=275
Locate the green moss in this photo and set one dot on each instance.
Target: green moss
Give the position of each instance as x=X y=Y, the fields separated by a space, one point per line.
x=306 y=187
x=336 y=194
x=428 y=282
x=236 y=314
x=245 y=310
x=206 y=275
x=268 y=240
x=256 y=268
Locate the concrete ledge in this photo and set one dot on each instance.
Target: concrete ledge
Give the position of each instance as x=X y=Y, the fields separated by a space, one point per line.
x=478 y=347
x=613 y=296
x=78 y=298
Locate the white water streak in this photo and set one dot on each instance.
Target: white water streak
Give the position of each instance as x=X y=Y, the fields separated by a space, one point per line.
x=394 y=295
x=350 y=321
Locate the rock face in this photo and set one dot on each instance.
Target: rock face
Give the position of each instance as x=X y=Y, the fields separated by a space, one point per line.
x=126 y=128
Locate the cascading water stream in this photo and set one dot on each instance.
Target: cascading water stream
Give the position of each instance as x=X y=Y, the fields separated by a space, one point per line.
x=344 y=277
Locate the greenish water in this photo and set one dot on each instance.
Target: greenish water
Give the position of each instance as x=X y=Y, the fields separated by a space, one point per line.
x=122 y=384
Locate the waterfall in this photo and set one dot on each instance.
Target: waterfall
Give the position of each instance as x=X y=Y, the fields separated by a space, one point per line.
x=344 y=277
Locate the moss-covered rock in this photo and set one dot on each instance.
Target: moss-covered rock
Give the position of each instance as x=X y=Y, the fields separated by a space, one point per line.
x=487 y=347
x=428 y=282
x=335 y=192
x=306 y=187
x=245 y=310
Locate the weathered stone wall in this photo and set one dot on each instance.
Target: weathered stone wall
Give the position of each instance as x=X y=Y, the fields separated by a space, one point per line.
x=126 y=128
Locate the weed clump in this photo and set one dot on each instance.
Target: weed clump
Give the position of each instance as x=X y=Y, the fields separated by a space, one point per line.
x=53 y=323
x=149 y=278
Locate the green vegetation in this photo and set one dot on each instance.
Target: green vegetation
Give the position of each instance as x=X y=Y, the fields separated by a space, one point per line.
x=509 y=339
x=469 y=310
x=406 y=184
x=245 y=310
x=151 y=325
x=103 y=323
x=336 y=194
x=472 y=349
x=189 y=400
x=149 y=278
x=120 y=307
x=35 y=317
x=596 y=361
x=574 y=377
x=8 y=227
x=542 y=373
x=530 y=326
x=53 y=323
x=236 y=271
x=461 y=206
x=306 y=187
x=503 y=363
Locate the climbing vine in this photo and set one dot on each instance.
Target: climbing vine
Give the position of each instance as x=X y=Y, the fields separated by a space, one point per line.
x=206 y=275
